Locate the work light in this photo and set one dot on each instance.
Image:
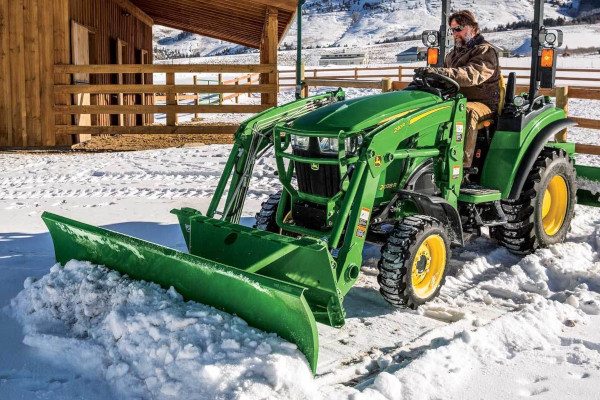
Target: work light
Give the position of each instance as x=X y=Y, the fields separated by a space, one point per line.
x=431 y=38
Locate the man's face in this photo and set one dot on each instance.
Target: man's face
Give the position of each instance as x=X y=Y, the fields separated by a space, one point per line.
x=460 y=35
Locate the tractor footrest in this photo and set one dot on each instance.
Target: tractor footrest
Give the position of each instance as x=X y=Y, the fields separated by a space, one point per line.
x=478 y=194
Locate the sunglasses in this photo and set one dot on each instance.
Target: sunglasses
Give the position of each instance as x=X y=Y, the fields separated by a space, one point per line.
x=457 y=29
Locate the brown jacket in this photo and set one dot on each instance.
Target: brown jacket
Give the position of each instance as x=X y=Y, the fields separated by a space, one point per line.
x=476 y=69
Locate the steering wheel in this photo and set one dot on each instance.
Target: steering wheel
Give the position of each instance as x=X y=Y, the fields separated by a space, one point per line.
x=448 y=87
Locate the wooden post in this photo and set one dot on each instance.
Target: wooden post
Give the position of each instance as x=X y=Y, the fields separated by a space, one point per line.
x=386 y=85
x=32 y=73
x=562 y=101
x=237 y=93
x=249 y=82
x=62 y=55
x=16 y=57
x=268 y=54
x=171 y=100
x=5 y=80
x=399 y=74
x=355 y=74
x=196 y=100
x=220 y=94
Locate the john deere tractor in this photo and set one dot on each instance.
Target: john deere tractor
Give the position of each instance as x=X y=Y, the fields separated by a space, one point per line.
x=385 y=169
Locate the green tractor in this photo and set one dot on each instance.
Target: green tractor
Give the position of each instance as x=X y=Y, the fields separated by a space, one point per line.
x=384 y=169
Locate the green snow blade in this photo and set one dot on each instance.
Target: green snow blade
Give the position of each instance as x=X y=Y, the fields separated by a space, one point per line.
x=584 y=196
x=265 y=303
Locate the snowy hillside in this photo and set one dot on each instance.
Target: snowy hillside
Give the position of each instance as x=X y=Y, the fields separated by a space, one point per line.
x=361 y=23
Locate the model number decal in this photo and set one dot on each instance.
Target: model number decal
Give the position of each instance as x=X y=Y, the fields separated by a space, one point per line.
x=388 y=186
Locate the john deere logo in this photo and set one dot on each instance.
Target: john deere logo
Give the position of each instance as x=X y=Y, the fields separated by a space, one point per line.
x=314 y=166
x=378 y=161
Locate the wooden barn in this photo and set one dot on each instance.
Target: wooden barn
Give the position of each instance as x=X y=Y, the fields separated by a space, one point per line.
x=71 y=68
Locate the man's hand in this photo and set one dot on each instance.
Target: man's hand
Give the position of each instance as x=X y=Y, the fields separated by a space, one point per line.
x=426 y=70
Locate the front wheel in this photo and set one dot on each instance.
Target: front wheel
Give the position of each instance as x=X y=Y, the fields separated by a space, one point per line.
x=414 y=261
x=542 y=214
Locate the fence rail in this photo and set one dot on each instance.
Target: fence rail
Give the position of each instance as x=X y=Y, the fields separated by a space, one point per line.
x=128 y=99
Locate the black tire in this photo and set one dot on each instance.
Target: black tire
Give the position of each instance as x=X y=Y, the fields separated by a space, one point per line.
x=266 y=217
x=524 y=232
x=398 y=260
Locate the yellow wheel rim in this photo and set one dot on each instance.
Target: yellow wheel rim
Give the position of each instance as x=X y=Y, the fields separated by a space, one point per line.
x=428 y=266
x=554 y=205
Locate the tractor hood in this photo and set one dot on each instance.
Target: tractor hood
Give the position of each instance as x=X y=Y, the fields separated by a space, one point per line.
x=364 y=112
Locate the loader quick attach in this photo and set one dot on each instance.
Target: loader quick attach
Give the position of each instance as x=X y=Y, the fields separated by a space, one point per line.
x=386 y=169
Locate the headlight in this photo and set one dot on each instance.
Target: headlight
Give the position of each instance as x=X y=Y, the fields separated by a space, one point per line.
x=330 y=145
x=300 y=142
x=353 y=144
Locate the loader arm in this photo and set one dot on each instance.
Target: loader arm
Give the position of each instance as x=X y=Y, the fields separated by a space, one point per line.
x=253 y=138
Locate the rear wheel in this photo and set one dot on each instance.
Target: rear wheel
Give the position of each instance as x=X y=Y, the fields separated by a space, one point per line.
x=542 y=214
x=414 y=262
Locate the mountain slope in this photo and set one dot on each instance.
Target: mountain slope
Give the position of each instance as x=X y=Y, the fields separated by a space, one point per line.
x=335 y=23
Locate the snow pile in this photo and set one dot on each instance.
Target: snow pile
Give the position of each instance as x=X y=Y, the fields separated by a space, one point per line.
x=149 y=343
x=586 y=184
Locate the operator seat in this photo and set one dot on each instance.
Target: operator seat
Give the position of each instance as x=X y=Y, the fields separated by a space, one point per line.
x=502 y=89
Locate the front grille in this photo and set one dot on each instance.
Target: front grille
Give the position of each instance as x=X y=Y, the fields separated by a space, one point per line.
x=324 y=181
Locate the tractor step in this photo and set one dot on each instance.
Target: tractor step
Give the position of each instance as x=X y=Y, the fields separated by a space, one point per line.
x=476 y=194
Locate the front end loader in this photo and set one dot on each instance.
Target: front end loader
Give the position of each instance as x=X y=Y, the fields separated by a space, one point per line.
x=384 y=169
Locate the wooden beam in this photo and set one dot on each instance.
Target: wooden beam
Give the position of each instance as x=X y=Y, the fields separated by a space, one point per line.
x=168 y=89
x=268 y=53
x=62 y=55
x=17 y=72
x=587 y=149
x=46 y=72
x=149 y=130
x=174 y=109
x=5 y=78
x=135 y=11
x=562 y=101
x=32 y=73
x=587 y=123
x=341 y=83
x=171 y=101
x=164 y=68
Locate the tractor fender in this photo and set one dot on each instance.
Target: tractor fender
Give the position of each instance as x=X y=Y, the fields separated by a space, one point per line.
x=440 y=209
x=534 y=150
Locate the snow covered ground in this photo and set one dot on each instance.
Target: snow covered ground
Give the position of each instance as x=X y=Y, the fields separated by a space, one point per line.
x=503 y=326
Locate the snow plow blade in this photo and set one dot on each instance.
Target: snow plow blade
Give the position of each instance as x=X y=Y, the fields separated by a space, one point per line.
x=588 y=182
x=264 y=303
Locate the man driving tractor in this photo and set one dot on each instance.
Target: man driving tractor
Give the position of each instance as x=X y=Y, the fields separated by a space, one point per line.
x=473 y=64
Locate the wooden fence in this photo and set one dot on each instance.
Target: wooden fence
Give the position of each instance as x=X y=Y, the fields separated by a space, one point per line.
x=170 y=93
x=381 y=78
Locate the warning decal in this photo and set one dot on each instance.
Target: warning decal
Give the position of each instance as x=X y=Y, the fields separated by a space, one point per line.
x=460 y=130
x=363 y=220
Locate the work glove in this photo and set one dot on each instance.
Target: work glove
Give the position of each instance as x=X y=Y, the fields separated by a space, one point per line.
x=426 y=70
